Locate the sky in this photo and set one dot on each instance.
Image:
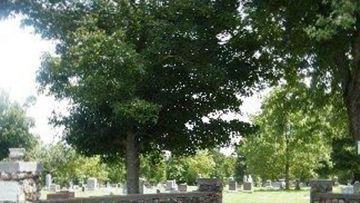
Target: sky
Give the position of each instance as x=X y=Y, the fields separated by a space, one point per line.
x=20 y=57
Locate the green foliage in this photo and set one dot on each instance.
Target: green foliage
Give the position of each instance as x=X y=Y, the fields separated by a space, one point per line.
x=116 y=171
x=291 y=134
x=153 y=67
x=14 y=126
x=206 y=164
x=188 y=169
x=316 y=39
x=153 y=167
x=65 y=165
x=224 y=165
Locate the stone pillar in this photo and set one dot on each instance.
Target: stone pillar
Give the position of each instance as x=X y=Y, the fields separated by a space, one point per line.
x=19 y=180
x=319 y=186
x=213 y=186
x=48 y=181
x=356 y=187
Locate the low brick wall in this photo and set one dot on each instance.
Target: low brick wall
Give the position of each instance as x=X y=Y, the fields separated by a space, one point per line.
x=336 y=198
x=191 y=197
x=209 y=191
x=321 y=192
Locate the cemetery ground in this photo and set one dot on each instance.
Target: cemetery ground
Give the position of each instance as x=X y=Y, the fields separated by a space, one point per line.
x=257 y=196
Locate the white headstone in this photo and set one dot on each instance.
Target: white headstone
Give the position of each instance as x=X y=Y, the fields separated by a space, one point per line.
x=171 y=185
x=124 y=189
x=250 y=180
x=48 y=181
x=245 y=179
x=92 y=184
x=11 y=191
x=54 y=188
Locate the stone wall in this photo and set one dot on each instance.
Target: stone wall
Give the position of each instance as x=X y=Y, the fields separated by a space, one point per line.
x=321 y=192
x=27 y=181
x=209 y=191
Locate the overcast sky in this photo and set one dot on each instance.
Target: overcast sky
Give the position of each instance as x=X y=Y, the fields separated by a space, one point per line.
x=20 y=53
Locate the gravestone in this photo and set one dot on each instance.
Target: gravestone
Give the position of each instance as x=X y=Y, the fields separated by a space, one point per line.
x=247 y=187
x=282 y=183
x=245 y=179
x=54 y=188
x=48 y=181
x=232 y=184
x=92 y=184
x=124 y=189
x=19 y=180
x=357 y=187
x=320 y=186
x=347 y=189
x=182 y=187
x=268 y=183
x=250 y=180
x=141 y=185
x=171 y=185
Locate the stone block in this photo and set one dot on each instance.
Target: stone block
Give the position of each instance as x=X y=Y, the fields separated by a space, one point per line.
x=182 y=187
x=11 y=191
x=247 y=186
x=20 y=166
x=232 y=185
x=348 y=189
x=209 y=185
x=60 y=195
x=356 y=187
x=54 y=188
x=171 y=185
x=16 y=153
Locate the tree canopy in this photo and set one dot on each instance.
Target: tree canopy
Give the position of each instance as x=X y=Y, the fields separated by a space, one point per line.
x=14 y=126
x=318 y=39
x=294 y=139
x=143 y=75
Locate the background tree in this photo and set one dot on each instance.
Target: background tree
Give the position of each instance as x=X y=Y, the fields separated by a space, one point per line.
x=143 y=74
x=224 y=165
x=66 y=165
x=153 y=167
x=14 y=126
x=319 y=39
x=187 y=169
x=293 y=141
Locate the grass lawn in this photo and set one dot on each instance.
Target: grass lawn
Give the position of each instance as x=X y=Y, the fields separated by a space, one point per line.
x=267 y=197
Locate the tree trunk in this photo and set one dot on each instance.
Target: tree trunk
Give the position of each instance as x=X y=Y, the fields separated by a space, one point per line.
x=287 y=161
x=297 y=185
x=287 y=176
x=132 y=163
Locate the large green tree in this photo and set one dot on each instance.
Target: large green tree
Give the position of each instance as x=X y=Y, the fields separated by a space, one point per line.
x=14 y=126
x=294 y=138
x=143 y=75
x=319 y=39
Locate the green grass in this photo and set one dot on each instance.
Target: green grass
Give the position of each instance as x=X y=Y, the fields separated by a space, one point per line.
x=267 y=197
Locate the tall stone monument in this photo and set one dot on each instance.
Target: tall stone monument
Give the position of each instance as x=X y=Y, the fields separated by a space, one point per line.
x=48 y=181
x=19 y=180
